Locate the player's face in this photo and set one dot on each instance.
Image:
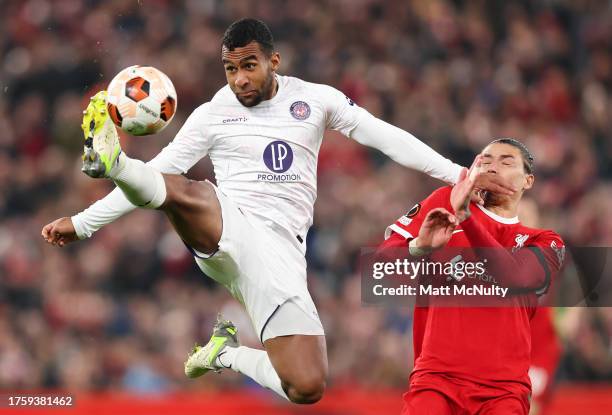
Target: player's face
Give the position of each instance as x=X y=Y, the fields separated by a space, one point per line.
x=250 y=73
x=507 y=161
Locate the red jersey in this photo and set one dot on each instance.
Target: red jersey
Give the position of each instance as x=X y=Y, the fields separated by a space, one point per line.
x=491 y=346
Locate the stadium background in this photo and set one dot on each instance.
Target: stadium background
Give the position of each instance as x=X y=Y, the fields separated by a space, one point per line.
x=112 y=318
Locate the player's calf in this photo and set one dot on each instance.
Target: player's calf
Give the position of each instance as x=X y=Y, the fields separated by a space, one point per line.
x=301 y=364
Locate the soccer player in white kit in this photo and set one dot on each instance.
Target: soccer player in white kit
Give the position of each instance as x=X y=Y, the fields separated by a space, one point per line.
x=262 y=132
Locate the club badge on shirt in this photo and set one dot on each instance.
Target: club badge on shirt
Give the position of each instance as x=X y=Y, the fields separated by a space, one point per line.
x=300 y=110
x=520 y=241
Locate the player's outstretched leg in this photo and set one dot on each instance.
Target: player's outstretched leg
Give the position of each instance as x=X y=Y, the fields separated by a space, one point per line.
x=103 y=158
x=191 y=206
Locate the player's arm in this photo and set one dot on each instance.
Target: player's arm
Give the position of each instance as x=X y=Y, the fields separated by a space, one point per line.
x=345 y=116
x=426 y=227
x=529 y=269
x=188 y=147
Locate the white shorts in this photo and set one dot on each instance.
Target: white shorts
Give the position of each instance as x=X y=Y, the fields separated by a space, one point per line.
x=265 y=271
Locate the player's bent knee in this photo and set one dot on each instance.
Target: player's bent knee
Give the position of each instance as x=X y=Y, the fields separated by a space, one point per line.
x=307 y=390
x=189 y=194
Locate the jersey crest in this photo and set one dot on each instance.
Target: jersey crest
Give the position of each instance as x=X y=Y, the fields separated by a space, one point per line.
x=520 y=240
x=300 y=110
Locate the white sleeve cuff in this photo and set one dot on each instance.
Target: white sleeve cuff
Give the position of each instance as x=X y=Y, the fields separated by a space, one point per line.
x=82 y=232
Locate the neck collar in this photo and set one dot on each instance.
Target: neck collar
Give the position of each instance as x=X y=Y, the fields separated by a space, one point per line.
x=497 y=218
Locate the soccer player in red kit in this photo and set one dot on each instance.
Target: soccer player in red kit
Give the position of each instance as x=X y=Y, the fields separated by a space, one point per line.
x=475 y=360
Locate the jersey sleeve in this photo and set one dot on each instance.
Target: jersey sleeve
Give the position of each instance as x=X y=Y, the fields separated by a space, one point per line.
x=550 y=250
x=342 y=114
x=524 y=270
x=345 y=116
x=407 y=226
x=190 y=144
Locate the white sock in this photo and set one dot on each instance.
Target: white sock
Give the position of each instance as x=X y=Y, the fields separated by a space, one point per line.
x=141 y=184
x=253 y=363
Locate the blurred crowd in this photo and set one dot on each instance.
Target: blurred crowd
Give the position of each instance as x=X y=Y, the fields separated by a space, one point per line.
x=121 y=310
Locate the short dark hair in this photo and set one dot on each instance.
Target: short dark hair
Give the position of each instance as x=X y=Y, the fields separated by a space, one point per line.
x=528 y=159
x=244 y=31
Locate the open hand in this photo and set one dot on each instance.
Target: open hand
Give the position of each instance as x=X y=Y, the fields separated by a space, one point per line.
x=436 y=230
x=464 y=190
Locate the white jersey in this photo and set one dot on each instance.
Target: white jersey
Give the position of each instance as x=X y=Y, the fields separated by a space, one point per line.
x=265 y=157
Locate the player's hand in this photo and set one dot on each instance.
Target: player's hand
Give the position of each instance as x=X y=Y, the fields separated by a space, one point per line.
x=59 y=232
x=463 y=191
x=436 y=230
x=488 y=182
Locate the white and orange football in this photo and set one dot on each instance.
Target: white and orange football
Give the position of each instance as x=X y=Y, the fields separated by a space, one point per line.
x=141 y=100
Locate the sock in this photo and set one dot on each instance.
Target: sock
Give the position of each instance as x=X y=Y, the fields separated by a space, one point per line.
x=141 y=184
x=253 y=363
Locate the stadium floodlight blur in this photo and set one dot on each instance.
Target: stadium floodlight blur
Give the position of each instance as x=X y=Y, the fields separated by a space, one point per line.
x=454 y=73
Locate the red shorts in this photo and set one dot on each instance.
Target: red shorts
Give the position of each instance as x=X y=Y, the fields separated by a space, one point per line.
x=439 y=394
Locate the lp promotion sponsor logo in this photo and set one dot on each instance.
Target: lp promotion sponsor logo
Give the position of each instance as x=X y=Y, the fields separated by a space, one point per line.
x=278 y=158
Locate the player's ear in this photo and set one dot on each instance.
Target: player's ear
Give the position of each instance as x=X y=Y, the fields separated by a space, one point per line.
x=275 y=60
x=529 y=179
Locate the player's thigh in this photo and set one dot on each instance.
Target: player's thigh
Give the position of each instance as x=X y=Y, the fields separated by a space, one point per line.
x=299 y=360
x=295 y=327
x=195 y=212
x=507 y=405
x=427 y=402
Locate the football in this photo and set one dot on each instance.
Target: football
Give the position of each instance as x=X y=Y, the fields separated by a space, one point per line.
x=141 y=100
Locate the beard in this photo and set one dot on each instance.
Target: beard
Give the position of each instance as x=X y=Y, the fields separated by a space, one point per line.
x=264 y=93
x=492 y=199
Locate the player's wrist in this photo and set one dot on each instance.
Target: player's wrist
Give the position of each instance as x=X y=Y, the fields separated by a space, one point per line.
x=81 y=230
x=417 y=248
x=463 y=214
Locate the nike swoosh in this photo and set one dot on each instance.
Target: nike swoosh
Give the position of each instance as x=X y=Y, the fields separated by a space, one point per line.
x=457 y=231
